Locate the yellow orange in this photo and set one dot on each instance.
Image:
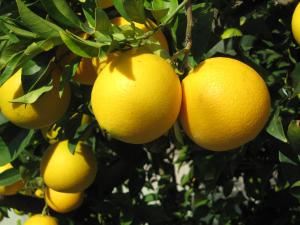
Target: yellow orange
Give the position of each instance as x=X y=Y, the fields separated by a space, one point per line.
x=39 y=219
x=66 y=172
x=225 y=104
x=45 y=111
x=136 y=98
x=63 y=202
x=296 y=23
x=88 y=69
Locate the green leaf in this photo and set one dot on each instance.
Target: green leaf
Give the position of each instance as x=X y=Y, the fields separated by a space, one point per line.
x=62 y=12
x=10 y=67
x=3 y=120
x=103 y=23
x=30 y=52
x=293 y=134
x=79 y=46
x=9 y=177
x=20 y=32
x=295 y=190
x=32 y=96
x=36 y=23
x=30 y=68
x=135 y=10
x=88 y=12
x=285 y=159
x=161 y=9
x=79 y=133
x=42 y=46
x=4 y=152
x=295 y=75
x=9 y=52
x=186 y=178
x=178 y=133
x=119 y=5
x=68 y=73
x=157 y=8
x=200 y=202
x=20 y=142
x=275 y=127
x=247 y=42
x=36 y=74
x=150 y=198
x=231 y=32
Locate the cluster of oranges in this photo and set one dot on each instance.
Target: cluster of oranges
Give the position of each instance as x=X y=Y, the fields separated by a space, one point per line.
x=137 y=97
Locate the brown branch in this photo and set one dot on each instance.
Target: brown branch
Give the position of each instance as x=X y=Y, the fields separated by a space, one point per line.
x=188 y=35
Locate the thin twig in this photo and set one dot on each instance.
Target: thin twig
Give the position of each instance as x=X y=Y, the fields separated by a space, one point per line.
x=188 y=35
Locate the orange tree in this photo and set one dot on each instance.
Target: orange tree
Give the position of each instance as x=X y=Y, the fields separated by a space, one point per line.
x=150 y=111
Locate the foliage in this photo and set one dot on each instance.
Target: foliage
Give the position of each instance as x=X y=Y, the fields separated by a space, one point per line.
x=170 y=180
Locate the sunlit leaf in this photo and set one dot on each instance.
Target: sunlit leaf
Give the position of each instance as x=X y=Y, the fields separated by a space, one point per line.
x=61 y=11
x=275 y=127
x=10 y=176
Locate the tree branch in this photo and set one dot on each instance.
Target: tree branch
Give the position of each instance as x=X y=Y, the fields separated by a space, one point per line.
x=188 y=35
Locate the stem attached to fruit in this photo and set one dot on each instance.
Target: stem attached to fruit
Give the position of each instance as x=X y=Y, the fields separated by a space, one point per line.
x=45 y=209
x=188 y=35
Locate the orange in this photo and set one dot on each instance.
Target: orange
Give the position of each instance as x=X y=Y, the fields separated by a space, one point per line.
x=225 y=104
x=63 y=202
x=88 y=69
x=136 y=98
x=296 y=23
x=49 y=107
x=66 y=172
x=39 y=219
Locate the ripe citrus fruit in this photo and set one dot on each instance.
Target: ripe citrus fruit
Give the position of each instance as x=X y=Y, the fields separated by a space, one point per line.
x=39 y=219
x=13 y=188
x=66 y=172
x=296 y=23
x=44 y=112
x=136 y=97
x=88 y=69
x=63 y=202
x=225 y=104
